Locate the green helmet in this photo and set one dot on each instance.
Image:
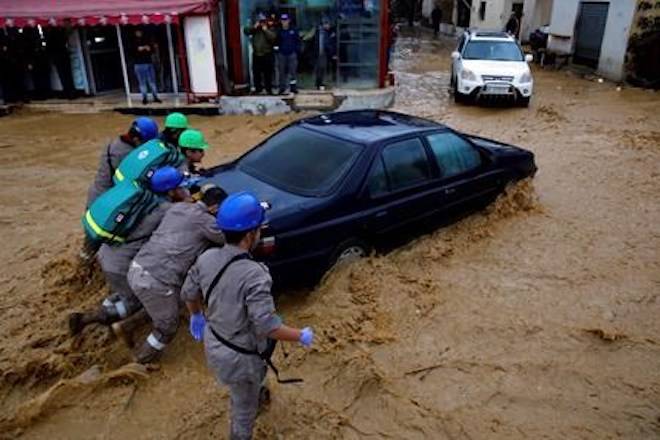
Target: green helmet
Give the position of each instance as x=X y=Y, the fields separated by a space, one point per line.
x=193 y=139
x=176 y=120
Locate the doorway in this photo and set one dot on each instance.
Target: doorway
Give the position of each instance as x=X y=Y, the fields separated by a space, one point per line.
x=589 y=33
x=104 y=58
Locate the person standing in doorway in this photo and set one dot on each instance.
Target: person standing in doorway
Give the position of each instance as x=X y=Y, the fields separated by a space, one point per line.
x=263 y=39
x=144 y=66
x=436 y=18
x=512 y=25
x=288 y=41
x=325 y=49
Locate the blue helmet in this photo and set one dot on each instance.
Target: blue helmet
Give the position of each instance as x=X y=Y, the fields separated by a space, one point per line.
x=165 y=179
x=145 y=127
x=240 y=212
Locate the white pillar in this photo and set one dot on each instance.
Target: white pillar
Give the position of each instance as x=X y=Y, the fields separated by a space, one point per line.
x=170 y=47
x=127 y=85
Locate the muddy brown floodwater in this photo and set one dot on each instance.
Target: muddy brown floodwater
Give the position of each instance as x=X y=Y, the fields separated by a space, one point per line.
x=537 y=318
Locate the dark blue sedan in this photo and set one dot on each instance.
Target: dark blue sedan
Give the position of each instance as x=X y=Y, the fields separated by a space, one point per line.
x=340 y=184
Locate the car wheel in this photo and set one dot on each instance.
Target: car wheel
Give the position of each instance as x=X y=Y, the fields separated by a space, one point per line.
x=458 y=97
x=524 y=102
x=349 y=251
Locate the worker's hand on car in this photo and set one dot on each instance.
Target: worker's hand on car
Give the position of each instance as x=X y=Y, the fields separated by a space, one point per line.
x=197 y=324
x=306 y=337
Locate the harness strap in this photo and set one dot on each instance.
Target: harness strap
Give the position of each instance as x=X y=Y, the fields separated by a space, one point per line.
x=265 y=357
x=221 y=272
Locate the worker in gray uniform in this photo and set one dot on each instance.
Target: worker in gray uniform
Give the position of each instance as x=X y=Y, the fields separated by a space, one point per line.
x=242 y=322
x=159 y=268
x=170 y=184
x=142 y=129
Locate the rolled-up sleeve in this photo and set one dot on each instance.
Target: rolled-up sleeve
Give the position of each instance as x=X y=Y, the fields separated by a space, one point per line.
x=210 y=230
x=192 y=290
x=260 y=304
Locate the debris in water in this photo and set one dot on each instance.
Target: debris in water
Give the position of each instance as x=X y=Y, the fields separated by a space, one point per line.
x=607 y=336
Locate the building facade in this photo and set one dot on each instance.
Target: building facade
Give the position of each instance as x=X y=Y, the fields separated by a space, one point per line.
x=491 y=14
x=594 y=34
x=360 y=29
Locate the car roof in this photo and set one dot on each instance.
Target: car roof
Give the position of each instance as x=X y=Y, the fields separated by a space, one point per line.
x=367 y=126
x=477 y=35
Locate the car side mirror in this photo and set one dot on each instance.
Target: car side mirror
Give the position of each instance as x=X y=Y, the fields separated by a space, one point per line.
x=529 y=57
x=455 y=55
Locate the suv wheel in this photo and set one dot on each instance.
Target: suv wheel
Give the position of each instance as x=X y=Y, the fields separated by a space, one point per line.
x=523 y=102
x=458 y=97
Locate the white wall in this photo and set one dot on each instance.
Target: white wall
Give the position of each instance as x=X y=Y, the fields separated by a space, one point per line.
x=497 y=14
x=427 y=7
x=537 y=13
x=564 y=16
x=201 y=60
x=615 y=39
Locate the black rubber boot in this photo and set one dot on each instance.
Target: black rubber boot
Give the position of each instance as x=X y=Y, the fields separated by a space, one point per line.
x=146 y=354
x=124 y=329
x=78 y=321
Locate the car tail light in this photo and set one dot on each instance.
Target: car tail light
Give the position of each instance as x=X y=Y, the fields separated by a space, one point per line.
x=265 y=248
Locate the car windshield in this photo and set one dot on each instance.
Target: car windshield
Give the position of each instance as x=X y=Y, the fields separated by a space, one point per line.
x=492 y=50
x=301 y=161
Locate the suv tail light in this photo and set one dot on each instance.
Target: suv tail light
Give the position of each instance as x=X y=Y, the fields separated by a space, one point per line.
x=266 y=247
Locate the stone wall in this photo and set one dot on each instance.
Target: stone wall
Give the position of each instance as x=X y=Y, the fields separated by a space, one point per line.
x=642 y=66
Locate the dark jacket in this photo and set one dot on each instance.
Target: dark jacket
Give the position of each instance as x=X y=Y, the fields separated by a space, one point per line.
x=288 y=41
x=436 y=15
x=262 y=40
x=329 y=38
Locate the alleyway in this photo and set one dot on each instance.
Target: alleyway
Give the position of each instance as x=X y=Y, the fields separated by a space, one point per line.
x=535 y=319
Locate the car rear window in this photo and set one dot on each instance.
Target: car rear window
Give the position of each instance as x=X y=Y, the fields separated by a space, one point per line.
x=301 y=161
x=492 y=50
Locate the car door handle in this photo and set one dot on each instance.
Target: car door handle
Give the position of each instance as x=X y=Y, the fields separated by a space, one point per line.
x=450 y=191
x=381 y=214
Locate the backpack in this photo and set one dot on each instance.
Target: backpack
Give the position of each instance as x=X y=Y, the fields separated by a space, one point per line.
x=141 y=163
x=116 y=212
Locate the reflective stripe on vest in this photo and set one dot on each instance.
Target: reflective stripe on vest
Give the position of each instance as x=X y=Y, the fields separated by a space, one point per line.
x=119 y=175
x=99 y=231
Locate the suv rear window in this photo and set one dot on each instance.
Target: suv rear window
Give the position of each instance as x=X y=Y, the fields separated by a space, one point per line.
x=493 y=50
x=300 y=161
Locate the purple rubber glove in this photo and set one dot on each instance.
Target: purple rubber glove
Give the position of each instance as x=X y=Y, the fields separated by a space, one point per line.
x=197 y=324
x=306 y=337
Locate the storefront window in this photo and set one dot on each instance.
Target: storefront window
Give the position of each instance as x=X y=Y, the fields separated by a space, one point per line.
x=355 y=29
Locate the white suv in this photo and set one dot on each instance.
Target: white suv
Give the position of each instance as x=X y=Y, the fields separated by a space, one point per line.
x=490 y=65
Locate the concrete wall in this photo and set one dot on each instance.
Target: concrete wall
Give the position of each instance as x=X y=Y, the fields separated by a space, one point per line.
x=537 y=13
x=615 y=39
x=563 y=19
x=497 y=14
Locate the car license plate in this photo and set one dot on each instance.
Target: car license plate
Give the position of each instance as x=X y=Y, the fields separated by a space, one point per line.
x=496 y=90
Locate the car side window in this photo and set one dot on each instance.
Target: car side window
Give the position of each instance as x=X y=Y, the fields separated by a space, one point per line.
x=453 y=154
x=406 y=163
x=377 y=184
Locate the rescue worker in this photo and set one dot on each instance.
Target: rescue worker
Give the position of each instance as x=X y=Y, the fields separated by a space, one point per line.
x=240 y=310
x=193 y=146
x=115 y=260
x=175 y=124
x=159 y=268
x=142 y=129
